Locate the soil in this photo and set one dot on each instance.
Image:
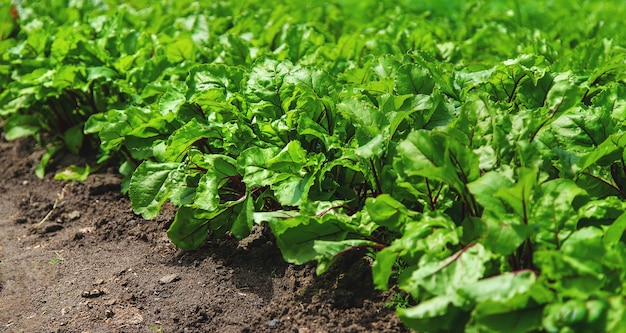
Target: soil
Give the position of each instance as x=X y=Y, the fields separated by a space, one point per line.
x=74 y=258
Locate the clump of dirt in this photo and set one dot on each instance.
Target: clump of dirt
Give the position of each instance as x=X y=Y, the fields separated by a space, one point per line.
x=74 y=258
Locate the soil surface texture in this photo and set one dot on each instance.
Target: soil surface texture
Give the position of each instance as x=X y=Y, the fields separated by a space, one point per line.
x=74 y=258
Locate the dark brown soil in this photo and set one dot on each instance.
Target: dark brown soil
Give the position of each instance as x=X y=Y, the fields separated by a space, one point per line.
x=74 y=258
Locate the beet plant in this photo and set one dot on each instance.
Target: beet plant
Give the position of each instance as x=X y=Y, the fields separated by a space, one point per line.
x=474 y=150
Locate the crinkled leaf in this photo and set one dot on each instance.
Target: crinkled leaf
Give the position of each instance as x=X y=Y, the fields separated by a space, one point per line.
x=446 y=276
x=556 y=210
x=433 y=237
x=440 y=156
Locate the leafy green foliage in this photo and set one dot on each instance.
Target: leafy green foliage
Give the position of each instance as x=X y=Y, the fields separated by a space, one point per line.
x=475 y=149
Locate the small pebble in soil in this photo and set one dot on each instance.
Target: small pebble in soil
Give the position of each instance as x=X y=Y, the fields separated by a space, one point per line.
x=73 y=215
x=169 y=278
x=109 y=313
x=273 y=323
x=47 y=227
x=21 y=220
x=93 y=293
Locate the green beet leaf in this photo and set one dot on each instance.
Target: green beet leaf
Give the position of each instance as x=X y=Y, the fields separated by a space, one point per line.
x=438 y=314
x=170 y=102
x=555 y=209
x=181 y=49
x=474 y=149
x=151 y=185
x=189 y=229
x=19 y=125
x=440 y=156
x=506 y=210
x=574 y=315
x=213 y=84
x=243 y=223
x=575 y=269
x=184 y=137
x=297 y=236
x=445 y=277
x=499 y=289
x=73 y=138
x=73 y=172
x=329 y=251
x=504 y=303
x=523 y=320
x=207 y=195
x=429 y=237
